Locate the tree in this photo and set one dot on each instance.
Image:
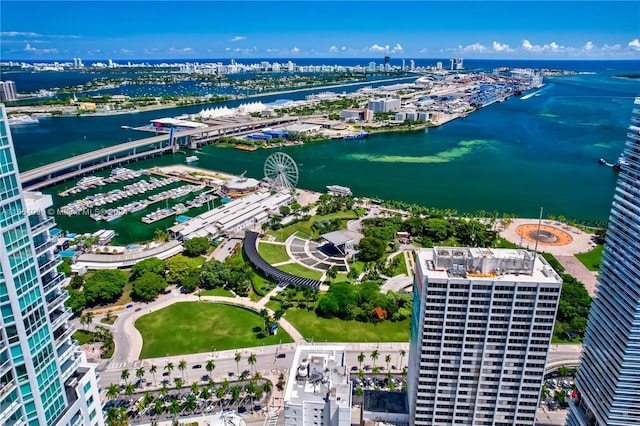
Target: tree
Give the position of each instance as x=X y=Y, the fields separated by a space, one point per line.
x=563 y=371
x=153 y=370
x=77 y=301
x=140 y=373
x=285 y=210
x=237 y=359
x=332 y=272
x=86 y=319
x=195 y=387
x=104 y=286
x=148 y=286
x=178 y=267
x=169 y=368
x=182 y=365
x=179 y=383
x=209 y=366
x=116 y=417
x=214 y=274
x=162 y=235
x=403 y=353
x=129 y=389
x=387 y=359
x=370 y=249
x=124 y=375
x=113 y=391
x=374 y=356
x=361 y=358
x=251 y=360
x=152 y=264
x=196 y=246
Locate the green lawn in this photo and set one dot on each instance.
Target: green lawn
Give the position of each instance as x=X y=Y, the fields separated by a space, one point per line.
x=305 y=227
x=300 y=271
x=273 y=253
x=219 y=291
x=192 y=327
x=401 y=269
x=591 y=259
x=336 y=330
x=83 y=337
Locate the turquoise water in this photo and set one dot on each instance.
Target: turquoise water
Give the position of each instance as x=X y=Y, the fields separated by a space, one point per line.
x=514 y=157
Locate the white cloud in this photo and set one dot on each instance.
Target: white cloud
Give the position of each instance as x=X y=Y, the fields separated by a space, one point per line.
x=634 y=44
x=552 y=47
x=500 y=47
x=127 y=51
x=589 y=46
x=376 y=48
x=238 y=38
x=295 y=50
x=425 y=50
x=333 y=49
x=183 y=50
x=475 y=47
x=30 y=49
x=19 y=34
x=397 y=48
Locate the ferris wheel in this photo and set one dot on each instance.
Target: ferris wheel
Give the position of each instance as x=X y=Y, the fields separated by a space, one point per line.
x=281 y=171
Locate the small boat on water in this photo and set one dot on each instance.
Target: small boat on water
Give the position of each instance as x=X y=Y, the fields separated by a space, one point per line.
x=192 y=158
x=361 y=135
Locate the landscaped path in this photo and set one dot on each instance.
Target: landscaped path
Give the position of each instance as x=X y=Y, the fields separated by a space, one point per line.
x=129 y=340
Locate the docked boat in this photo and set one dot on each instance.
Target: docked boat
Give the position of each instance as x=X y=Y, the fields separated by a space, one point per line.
x=192 y=158
x=339 y=190
x=113 y=214
x=19 y=120
x=361 y=135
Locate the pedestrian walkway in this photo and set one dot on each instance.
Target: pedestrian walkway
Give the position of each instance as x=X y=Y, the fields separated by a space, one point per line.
x=132 y=352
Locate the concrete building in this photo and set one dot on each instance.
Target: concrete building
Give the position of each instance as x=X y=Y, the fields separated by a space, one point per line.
x=318 y=391
x=384 y=105
x=8 y=91
x=480 y=333
x=242 y=213
x=608 y=383
x=44 y=379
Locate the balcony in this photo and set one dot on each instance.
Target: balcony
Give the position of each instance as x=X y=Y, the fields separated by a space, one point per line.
x=65 y=335
x=53 y=283
x=59 y=317
x=49 y=264
x=42 y=247
x=69 y=367
x=7 y=409
x=39 y=226
x=57 y=300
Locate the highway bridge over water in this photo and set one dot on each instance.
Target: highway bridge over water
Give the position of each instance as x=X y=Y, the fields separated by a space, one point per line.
x=115 y=155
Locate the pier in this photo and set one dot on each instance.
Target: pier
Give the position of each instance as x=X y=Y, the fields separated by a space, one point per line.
x=70 y=168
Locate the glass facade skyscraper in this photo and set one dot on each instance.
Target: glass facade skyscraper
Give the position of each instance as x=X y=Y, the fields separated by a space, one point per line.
x=608 y=378
x=44 y=379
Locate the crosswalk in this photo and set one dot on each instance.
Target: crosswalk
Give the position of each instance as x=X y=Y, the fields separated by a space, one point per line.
x=122 y=365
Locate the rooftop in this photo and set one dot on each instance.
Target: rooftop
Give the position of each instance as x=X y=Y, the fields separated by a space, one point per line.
x=485 y=263
x=318 y=373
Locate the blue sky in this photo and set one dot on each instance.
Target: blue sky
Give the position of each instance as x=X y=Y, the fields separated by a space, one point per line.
x=120 y=30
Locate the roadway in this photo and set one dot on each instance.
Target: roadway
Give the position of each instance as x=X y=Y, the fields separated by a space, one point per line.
x=48 y=171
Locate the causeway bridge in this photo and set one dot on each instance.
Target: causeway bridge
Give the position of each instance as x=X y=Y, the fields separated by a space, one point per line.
x=127 y=152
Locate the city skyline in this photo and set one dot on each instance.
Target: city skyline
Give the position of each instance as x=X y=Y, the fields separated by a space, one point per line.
x=358 y=29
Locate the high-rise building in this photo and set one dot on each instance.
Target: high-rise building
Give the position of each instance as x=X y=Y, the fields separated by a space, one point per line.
x=480 y=333
x=44 y=379
x=8 y=91
x=607 y=381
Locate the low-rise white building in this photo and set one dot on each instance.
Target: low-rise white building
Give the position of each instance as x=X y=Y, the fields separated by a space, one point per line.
x=318 y=391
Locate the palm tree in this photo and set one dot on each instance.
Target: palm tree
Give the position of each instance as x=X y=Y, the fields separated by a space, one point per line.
x=117 y=416
x=361 y=358
x=563 y=371
x=244 y=375
x=140 y=373
x=267 y=386
x=129 y=389
x=191 y=403
x=209 y=366
x=153 y=370
x=158 y=407
x=113 y=391
x=179 y=384
x=164 y=390
x=374 y=356
x=195 y=387
x=237 y=359
x=387 y=359
x=220 y=392
x=235 y=392
x=205 y=393
x=403 y=353
x=174 y=407
x=88 y=318
x=251 y=360
x=182 y=365
x=124 y=375
x=169 y=368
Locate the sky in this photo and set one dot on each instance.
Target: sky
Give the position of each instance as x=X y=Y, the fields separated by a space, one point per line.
x=145 y=29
